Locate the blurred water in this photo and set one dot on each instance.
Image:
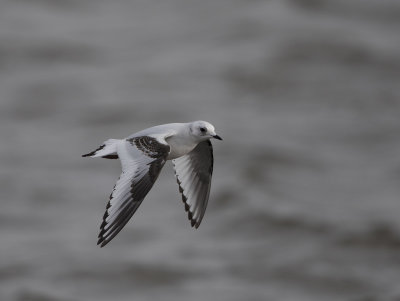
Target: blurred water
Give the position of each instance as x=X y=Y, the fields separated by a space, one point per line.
x=305 y=196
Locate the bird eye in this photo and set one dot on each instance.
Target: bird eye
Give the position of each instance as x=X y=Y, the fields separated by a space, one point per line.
x=203 y=130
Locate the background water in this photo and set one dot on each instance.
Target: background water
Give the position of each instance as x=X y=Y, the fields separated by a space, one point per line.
x=305 y=197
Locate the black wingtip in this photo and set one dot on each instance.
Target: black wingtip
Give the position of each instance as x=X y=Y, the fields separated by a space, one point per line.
x=102 y=242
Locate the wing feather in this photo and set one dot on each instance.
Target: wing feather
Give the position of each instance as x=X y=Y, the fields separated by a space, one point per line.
x=193 y=173
x=142 y=159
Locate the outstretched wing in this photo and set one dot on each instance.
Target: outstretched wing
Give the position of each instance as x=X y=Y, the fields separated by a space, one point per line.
x=142 y=159
x=193 y=174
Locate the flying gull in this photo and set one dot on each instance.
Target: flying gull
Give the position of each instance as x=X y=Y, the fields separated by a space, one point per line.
x=142 y=157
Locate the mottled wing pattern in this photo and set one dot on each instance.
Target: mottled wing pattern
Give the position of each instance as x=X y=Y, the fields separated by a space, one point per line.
x=142 y=159
x=193 y=173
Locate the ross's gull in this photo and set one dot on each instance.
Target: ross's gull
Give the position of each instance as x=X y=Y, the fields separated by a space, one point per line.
x=142 y=157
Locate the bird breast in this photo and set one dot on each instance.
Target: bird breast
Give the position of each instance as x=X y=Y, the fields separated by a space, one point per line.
x=179 y=147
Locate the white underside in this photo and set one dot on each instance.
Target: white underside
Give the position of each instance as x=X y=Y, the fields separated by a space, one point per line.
x=179 y=147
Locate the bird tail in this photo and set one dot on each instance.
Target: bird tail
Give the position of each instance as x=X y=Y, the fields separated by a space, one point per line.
x=107 y=150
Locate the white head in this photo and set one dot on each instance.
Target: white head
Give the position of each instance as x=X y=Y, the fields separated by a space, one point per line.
x=203 y=130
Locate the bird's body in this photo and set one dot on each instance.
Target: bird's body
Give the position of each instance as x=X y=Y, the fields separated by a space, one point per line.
x=175 y=134
x=142 y=157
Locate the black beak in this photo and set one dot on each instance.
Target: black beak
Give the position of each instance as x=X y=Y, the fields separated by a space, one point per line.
x=217 y=137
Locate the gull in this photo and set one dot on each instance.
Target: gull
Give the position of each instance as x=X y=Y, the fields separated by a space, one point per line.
x=142 y=157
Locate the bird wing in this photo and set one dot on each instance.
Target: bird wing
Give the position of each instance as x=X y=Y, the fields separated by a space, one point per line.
x=193 y=173
x=142 y=159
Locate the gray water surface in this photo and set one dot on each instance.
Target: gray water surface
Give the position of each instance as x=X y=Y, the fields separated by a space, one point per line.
x=305 y=197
